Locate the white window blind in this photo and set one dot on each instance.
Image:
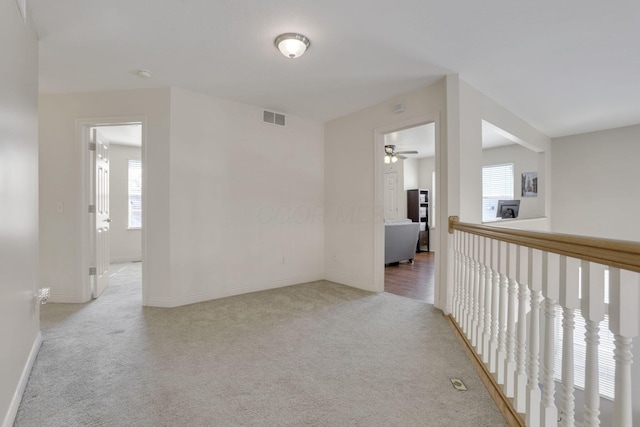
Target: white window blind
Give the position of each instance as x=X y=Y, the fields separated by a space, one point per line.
x=135 y=194
x=497 y=184
x=606 y=363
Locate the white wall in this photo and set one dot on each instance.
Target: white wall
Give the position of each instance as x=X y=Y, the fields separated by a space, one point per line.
x=124 y=244
x=19 y=316
x=61 y=249
x=246 y=199
x=227 y=197
x=426 y=167
x=524 y=160
x=350 y=200
x=595 y=184
x=476 y=107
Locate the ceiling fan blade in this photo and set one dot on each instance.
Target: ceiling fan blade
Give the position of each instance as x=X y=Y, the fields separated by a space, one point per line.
x=407 y=152
x=400 y=157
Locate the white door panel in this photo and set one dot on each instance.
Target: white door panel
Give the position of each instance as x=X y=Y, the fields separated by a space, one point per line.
x=101 y=220
x=390 y=196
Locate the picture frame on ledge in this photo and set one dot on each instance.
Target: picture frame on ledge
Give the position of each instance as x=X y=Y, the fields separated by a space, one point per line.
x=529 y=184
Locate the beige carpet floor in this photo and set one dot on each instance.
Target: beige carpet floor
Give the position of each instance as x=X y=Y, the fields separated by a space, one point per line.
x=316 y=354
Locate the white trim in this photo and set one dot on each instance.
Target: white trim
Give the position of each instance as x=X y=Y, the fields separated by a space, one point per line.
x=67 y=298
x=123 y=259
x=82 y=135
x=352 y=282
x=378 y=207
x=22 y=384
x=238 y=290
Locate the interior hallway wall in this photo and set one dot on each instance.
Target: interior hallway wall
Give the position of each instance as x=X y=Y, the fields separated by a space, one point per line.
x=524 y=160
x=125 y=244
x=61 y=250
x=247 y=199
x=596 y=189
x=350 y=199
x=19 y=315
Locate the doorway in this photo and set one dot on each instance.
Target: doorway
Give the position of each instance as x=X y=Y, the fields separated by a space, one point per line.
x=113 y=170
x=407 y=156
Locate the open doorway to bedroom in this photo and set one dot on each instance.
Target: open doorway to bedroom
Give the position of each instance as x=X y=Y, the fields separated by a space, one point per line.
x=118 y=236
x=409 y=211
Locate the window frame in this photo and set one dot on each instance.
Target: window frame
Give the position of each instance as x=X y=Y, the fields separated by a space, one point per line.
x=490 y=203
x=134 y=191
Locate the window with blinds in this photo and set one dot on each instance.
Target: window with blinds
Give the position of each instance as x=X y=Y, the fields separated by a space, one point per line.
x=497 y=184
x=135 y=194
x=606 y=347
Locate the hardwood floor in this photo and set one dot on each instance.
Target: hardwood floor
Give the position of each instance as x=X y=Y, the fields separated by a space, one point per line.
x=413 y=281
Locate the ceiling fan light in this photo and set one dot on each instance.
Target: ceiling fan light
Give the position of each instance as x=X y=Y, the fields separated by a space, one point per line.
x=394 y=159
x=387 y=159
x=292 y=45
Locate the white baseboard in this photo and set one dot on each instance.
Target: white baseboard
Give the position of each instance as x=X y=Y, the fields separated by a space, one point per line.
x=17 y=396
x=223 y=293
x=366 y=285
x=66 y=298
x=123 y=259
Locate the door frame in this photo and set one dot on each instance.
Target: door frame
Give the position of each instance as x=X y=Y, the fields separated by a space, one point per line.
x=84 y=247
x=378 y=212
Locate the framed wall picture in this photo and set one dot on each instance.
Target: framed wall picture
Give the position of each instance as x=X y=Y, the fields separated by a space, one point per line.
x=530 y=184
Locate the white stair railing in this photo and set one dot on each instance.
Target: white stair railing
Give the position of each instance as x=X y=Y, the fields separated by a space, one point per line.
x=507 y=287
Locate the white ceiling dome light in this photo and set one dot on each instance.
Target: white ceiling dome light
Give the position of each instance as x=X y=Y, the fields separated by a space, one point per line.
x=292 y=45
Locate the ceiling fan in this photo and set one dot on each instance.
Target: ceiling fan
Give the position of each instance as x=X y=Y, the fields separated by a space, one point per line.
x=392 y=156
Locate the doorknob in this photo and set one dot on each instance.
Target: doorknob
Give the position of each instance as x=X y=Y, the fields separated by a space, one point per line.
x=107 y=220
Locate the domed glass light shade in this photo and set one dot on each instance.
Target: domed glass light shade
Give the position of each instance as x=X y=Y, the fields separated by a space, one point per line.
x=292 y=45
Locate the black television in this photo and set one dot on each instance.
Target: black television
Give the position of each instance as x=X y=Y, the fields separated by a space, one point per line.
x=508 y=209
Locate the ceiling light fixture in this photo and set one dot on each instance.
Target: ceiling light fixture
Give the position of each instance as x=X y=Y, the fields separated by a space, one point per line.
x=292 y=45
x=392 y=156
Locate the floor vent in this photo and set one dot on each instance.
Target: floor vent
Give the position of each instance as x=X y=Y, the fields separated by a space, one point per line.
x=274 y=118
x=458 y=384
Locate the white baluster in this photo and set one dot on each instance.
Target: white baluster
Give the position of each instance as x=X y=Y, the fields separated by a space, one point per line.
x=592 y=304
x=502 y=315
x=534 y=396
x=567 y=407
x=512 y=290
x=473 y=286
x=522 y=269
x=624 y=287
x=456 y=276
x=476 y=291
x=495 y=307
x=465 y=283
x=481 y=303
x=549 y=411
x=487 y=301
x=570 y=301
x=460 y=278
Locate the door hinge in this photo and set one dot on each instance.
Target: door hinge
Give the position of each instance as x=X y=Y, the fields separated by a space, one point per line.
x=92 y=146
x=92 y=271
x=92 y=208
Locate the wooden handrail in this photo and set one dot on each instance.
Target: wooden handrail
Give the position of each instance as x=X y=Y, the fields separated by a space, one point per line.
x=616 y=253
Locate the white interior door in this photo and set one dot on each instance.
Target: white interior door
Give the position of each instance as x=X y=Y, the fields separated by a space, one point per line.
x=390 y=196
x=101 y=220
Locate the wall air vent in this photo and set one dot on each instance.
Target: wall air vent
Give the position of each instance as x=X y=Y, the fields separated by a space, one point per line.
x=274 y=118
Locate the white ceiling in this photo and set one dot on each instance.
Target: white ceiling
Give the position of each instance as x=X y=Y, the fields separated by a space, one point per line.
x=565 y=67
x=123 y=134
x=420 y=138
